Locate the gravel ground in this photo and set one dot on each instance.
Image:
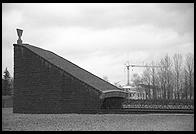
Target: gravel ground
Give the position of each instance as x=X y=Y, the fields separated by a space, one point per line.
x=96 y=122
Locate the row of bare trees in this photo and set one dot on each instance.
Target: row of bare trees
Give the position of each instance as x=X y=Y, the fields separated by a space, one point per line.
x=173 y=79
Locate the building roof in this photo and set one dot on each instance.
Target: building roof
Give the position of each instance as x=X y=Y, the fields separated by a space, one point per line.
x=128 y=87
x=114 y=93
x=73 y=69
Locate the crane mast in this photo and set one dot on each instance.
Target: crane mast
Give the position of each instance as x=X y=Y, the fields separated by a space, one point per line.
x=128 y=74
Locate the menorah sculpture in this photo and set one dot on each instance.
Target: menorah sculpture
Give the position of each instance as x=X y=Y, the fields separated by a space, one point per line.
x=19 y=32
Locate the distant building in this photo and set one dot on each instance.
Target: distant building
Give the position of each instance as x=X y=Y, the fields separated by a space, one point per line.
x=135 y=92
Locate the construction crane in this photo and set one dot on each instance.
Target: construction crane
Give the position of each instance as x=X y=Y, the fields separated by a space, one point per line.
x=142 y=66
x=132 y=65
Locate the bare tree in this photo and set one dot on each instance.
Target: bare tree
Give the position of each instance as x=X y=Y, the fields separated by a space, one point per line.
x=154 y=80
x=136 y=79
x=174 y=79
x=160 y=83
x=185 y=85
x=177 y=58
x=189 y=68
x=166 y=77
x=146 y=79
x=162 y=80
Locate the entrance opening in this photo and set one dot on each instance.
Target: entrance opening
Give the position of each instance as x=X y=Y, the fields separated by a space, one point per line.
x=112 y=103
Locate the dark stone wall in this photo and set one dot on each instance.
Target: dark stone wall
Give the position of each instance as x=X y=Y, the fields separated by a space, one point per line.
x=112 y=103
x=40 y=87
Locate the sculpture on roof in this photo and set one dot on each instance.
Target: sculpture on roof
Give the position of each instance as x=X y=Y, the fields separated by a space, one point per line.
x=19 y=32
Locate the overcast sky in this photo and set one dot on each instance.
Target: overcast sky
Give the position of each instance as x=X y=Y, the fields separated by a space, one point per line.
x=100 y=38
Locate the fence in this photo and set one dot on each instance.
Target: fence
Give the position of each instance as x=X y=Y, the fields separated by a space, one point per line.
x=159 y=104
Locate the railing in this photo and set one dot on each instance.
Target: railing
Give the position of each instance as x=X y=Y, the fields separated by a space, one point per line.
x=159 y=104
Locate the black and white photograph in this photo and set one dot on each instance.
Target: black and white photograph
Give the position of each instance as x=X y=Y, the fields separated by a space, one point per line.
x=97 y=66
